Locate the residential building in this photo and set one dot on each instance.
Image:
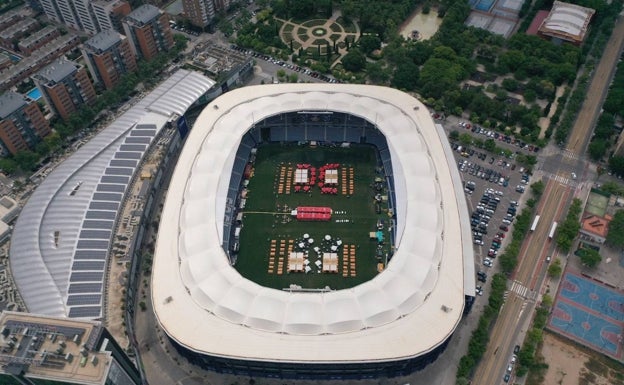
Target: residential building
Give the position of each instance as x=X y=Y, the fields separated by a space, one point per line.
x=110 y=13
x=38 y=39
x=22 y=123
x=595 y=228
x=148 y=31
x=108 y=56
x=37 y=60
x=15 y=32
x=10 y=18
x=200 y=13
x=87 y=15
x=41 y=349
x=65 y=86
x=222 y=5
x=5 y=60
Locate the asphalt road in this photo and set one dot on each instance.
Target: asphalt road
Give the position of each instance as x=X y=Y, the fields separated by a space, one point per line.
x=597 y=90
x=530 y=272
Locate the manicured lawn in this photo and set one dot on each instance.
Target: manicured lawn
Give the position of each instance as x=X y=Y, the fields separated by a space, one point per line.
x=267 y=217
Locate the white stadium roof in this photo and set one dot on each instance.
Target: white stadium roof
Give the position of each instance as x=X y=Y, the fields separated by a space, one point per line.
x=62 y=238
x=409 y=309
x=567 y=21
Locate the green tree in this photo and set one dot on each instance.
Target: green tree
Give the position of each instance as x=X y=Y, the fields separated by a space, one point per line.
x=354 y=60
x=597 y=148
x=377 y=73
x=465 y=139
x=8 y=165
x=26 y=160
x=590 y=257
x=405 y=76
x=368 y=43
x=555 y=269
x=615 y=236
x=538 y=188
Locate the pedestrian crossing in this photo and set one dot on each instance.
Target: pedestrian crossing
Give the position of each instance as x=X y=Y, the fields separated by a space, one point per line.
x=570 y=155
x=562 y=179
x=519 y=289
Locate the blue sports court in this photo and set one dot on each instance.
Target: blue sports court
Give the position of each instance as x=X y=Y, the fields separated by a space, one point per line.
x=590 y=313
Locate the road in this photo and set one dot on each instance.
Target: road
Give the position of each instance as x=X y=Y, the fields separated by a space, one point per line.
x=597 y=90
x=529 y=275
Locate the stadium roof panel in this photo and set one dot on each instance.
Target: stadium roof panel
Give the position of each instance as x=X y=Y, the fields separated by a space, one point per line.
x=422 y=287
x=567 y=22
x=41 y=267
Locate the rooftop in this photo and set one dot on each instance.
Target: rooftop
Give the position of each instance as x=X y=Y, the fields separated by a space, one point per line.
x=144 y=14
x=384 y=319
x=567 y=22
x=79 y=202
x=10 y=102
x=103 y=41
x=52 y=348
x=17 y=28
x=57 y=71
x=595 y=225
x=34 y=37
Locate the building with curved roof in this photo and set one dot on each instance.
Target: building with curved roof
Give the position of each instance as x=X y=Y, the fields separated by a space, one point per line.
x=568 y=22
x=394 y=323
x=62 y=240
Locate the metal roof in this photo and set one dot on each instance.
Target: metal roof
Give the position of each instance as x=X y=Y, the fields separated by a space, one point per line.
x=103 y=40
x=68 y=217
x=57 y=71
x=10 y=102
x=144 y=14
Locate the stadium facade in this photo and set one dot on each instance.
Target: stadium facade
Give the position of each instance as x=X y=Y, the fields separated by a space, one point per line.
x=393 y=324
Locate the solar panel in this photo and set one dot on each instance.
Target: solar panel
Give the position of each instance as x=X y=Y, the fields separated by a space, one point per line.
x=111 y=188
x=94 y=214
x=132 y=147
x=86 y=276
x=128 y=155
x=88 y=265
x=95 y=234
x=85 y=311
x=145 y=126
x=107 y=197
x=104 y=225
x=118 y=171
x=123 y=163
x=104 y=206
x=92 y=244
x=85 y=299
x=138 y=139
x=143 y=133
x=90 y=254
x=116 y=179
x=85 y=288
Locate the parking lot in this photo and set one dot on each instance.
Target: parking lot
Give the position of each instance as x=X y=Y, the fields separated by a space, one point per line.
x=493 y=187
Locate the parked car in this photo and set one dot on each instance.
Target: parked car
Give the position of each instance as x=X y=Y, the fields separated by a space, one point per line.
x=479 y=290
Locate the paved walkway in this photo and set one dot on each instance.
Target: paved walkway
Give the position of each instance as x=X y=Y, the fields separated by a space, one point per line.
x=328 y=32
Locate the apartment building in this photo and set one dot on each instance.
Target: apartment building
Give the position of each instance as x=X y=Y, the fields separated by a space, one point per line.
x=108 y=56
x=148 y=31
x=65 y=86
x=22 y=123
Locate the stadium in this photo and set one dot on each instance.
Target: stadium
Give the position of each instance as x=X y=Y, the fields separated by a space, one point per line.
x=393 y=321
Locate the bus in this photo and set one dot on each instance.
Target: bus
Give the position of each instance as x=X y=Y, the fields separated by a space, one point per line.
x=552 y=230
x=535 y=221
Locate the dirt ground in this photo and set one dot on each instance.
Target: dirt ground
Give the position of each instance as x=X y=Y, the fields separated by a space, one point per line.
x=569 y=365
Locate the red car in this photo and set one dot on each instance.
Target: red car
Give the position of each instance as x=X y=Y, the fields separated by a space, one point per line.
x=504 y=228
x=500 y=234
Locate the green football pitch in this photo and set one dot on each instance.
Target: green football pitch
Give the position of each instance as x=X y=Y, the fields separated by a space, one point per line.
x=269 y=233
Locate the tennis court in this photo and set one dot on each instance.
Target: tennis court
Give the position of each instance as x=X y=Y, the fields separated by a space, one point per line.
x=590 y=313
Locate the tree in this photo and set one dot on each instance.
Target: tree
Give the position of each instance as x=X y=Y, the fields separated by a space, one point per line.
x=616 y=165
x=489 y=145
x=405 y=76
x=597 y=148
x=26 y=160
x=538 y=188
x=454 y=135
x=465 y=139
x=615 y=236
x=590 y=257
x=377 y=73
x=354 y=60
x=555 y=269
x=8 y=165
x=369 y=43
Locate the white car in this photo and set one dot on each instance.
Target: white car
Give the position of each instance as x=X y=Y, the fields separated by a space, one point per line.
x=478 y=242
x=487 y=262
x=573 y=176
